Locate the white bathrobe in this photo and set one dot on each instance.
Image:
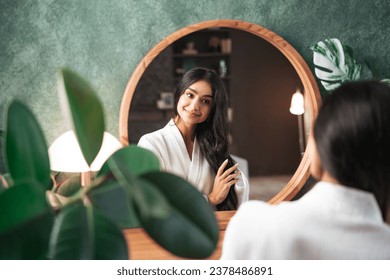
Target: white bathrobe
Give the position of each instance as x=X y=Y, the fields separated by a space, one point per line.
x=168 y=145
x=329 y=222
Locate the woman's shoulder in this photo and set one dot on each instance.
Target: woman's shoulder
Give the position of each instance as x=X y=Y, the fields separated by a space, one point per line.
x=264 y=211
x=157 y=134
x=151 y=139
x=158 y=137
x=151 y=135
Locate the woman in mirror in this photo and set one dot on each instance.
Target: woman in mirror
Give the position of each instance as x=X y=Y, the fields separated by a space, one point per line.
x=346 y=214
x=194 y=144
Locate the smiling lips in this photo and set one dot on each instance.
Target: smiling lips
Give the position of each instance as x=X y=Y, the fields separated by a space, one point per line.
x=192 y=113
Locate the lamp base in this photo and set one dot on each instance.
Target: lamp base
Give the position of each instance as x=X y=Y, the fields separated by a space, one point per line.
x=86 y=178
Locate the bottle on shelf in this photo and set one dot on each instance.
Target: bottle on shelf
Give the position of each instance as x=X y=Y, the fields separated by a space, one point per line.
x=222 y=68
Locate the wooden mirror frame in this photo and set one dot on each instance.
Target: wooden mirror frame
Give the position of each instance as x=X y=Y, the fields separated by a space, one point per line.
x=312 y=95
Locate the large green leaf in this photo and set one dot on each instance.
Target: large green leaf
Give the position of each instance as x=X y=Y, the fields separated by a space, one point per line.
x=21 y=202
x=83 y=233
x=137 y=159
x=191 y=230
x=26 y=222
x=334 y=63
x=26 y=149
x=148 y=200
x=113 y=201
x=85 y=111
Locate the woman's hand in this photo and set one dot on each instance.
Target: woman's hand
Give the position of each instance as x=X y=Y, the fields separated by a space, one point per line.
x=222 y=183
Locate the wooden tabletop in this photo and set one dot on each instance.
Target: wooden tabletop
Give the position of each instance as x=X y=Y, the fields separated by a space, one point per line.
x=142 y=247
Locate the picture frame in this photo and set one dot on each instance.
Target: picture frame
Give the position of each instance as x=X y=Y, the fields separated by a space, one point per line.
x=166 y=101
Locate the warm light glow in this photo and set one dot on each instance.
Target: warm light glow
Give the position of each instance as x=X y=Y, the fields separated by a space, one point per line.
x=297 y=104
x=65 y=153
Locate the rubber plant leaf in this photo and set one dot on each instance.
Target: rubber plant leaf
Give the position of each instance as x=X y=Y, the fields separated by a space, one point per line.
x=26 y=150
x=83 y=108
x=191 y=230
x=334 y=63
x=112 y=200
x=147 y=199
x=25 y=223
x=82 y=232
x=137 y=159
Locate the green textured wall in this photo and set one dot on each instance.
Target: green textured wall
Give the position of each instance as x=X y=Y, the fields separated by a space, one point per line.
x=105 y=40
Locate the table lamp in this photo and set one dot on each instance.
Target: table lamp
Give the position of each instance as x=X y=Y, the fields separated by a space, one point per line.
x=65 y=155
x=297 y=104
x=297 y=107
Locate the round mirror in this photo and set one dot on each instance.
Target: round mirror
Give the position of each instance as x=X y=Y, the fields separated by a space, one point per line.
x=261 y=72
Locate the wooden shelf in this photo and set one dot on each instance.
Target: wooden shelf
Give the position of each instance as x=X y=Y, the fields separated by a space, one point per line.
x=200 y=55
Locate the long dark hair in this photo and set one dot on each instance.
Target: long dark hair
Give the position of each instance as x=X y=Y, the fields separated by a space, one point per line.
x=352 y=134
x=212 y=135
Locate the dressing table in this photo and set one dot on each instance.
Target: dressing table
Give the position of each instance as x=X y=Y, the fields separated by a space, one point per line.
x=142 y=247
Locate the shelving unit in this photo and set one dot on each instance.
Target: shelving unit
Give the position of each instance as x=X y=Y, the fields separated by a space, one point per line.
x=206 y=48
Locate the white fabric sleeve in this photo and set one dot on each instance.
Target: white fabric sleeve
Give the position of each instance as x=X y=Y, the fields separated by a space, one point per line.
x=242 y=188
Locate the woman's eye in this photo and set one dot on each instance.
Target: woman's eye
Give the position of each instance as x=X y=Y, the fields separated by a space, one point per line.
x=206 y=101
x=190 y=95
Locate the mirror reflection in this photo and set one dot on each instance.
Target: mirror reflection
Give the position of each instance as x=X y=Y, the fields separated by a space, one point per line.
x=259 y=81
x=261 y=71
x=195 y=143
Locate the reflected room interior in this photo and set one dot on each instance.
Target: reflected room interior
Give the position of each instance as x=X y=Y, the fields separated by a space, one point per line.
x=260 y=82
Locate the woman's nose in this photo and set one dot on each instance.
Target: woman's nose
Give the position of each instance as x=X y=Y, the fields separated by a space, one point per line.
x=195 y=104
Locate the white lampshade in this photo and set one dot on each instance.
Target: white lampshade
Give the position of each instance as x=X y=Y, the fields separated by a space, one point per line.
x=297 y=103
x=65 y=153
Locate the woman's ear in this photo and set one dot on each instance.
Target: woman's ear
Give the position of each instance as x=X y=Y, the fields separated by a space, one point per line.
x=316 y=168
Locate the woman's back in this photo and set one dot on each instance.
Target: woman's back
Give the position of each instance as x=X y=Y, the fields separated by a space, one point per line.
x=329 y=222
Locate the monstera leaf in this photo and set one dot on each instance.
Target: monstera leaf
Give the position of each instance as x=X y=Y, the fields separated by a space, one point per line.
x=386 y=81
x=335 y=64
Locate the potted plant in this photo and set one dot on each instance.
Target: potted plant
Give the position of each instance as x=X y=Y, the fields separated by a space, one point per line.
x=129 y=190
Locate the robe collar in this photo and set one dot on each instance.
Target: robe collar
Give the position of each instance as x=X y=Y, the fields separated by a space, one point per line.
x=193 y=168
